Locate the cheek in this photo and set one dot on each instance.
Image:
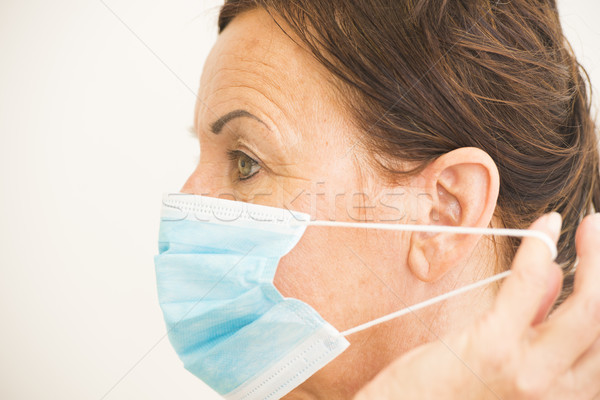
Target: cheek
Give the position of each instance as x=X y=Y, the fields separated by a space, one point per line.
x=323 y=270
x=311 y=272
x=327 y=271
x=300 y=272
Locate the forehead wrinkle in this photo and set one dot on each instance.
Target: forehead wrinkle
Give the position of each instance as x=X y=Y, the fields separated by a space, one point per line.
x=238 y=76
x=275 y=48
x=275 y=92
x=268 y=96
x=285 y=76
x=294 y=76
x=247 y=99
x=270 y=74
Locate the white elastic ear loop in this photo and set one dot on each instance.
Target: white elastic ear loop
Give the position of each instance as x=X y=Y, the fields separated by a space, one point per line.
x=437 y=229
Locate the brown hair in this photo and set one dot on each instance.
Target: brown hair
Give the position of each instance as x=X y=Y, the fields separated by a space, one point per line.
x=425 y=77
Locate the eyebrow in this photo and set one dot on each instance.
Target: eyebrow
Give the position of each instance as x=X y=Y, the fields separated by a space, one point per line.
x=217 y=126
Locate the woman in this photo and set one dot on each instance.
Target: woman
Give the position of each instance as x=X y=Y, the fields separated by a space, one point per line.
x=461 y=113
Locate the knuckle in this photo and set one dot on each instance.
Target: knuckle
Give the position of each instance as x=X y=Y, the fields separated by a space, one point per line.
x=533 y=277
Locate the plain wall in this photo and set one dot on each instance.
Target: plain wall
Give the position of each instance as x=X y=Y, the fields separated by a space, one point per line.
x=95 y=101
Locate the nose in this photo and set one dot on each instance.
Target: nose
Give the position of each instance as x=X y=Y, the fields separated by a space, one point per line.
x=208 y=181
x=191 y=185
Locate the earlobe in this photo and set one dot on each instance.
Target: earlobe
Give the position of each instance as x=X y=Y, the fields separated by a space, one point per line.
x=464 y=184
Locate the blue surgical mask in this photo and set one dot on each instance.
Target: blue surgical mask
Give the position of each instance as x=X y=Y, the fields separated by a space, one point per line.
x=226 y=320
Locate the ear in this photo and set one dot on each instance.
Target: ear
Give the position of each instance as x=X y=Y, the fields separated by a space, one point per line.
x=463 y=186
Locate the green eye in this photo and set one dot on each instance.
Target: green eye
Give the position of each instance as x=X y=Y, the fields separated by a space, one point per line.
x=247 y=167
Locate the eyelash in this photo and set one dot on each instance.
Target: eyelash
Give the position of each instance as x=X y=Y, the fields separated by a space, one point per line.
x=234 y=156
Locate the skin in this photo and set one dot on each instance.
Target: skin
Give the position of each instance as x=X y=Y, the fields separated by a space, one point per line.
x=293 y=125
x=514 y=352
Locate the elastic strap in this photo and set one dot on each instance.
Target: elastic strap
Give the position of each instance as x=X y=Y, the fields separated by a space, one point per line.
x=441 y=229
x=436 y=229
x=427 y=303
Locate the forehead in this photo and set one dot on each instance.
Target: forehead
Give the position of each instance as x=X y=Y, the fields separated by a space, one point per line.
x=254 y=47
x=255 y=64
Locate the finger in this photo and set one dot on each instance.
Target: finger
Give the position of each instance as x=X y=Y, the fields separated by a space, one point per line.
x=587 y=242
x=522 y=294
x=575 y=325
x=554 y=288
x=586 y=372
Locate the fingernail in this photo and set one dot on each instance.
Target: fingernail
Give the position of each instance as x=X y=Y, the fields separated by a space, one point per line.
x=596 y=221
x=554 y=223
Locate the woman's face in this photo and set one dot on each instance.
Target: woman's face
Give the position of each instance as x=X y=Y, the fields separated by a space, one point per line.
x=272 y=131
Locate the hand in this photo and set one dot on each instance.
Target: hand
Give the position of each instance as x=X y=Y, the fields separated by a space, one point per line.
x=515 y=352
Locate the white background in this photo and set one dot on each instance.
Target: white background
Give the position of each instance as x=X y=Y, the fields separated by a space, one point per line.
x=93 y=128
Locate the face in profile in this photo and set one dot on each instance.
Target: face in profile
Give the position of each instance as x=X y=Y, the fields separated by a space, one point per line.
x=273 y=130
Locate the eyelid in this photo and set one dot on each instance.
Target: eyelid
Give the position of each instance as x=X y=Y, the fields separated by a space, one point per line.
x=234 y=155
x=241 y=149
x=241 y=146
